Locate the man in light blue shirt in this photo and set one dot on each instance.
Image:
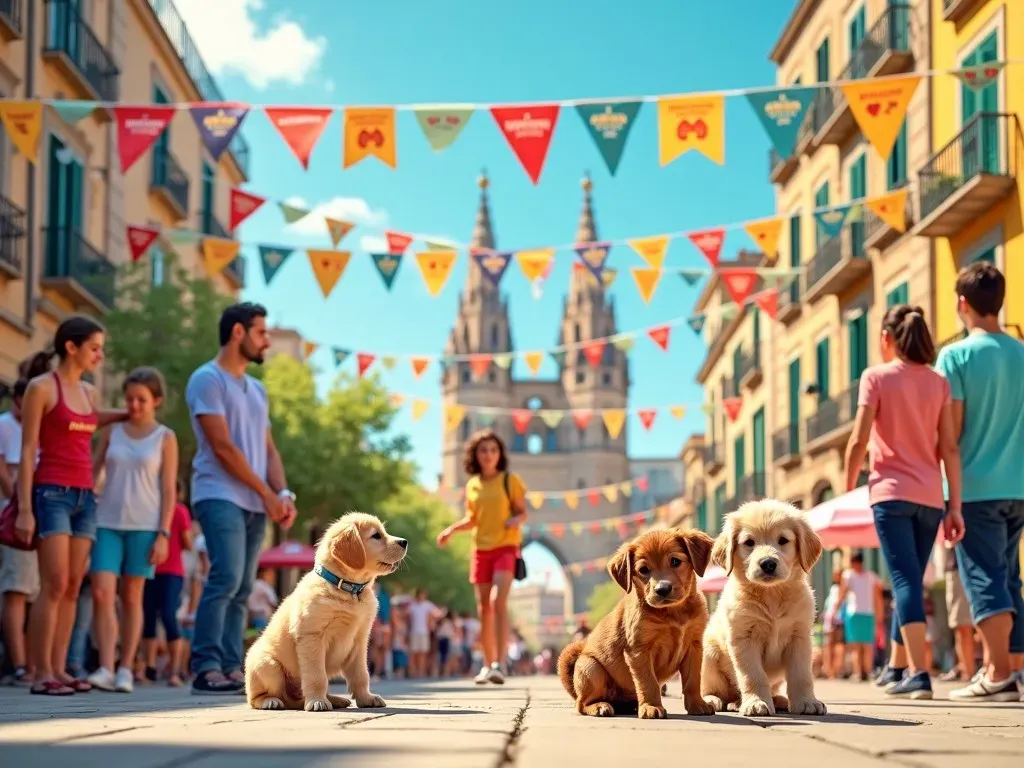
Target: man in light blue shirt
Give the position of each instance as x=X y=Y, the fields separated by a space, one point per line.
x=986 y=379
x=237 y=480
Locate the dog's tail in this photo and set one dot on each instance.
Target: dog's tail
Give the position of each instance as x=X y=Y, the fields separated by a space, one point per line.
x=567 y=665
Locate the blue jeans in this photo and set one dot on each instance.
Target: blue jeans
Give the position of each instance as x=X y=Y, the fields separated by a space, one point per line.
x=906 y=532
x=233 y=540
x=989 y=562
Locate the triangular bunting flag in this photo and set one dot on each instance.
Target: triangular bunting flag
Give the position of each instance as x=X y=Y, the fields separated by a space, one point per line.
x=768 y=302
x=833 y=220
x=71 y=112
x=692 y=276
x=243 y=205
x=439 y=245
x=521 y=419
x=608 y=277
x=397 y=241
x=492 y=263
x=503 y=361
x=572 y=499
x=611 y=492
x=397 y=399
x=309 y=347
x=979 y=76
x=387 y=264
x=337 y=229
x=646 y=281
x=692 y=122
x=641 y=483
x=624 y=342
x=709 y=242
x=389 y=362
x=436 y=267
x=651 y=249
x=732 y=406
x=594 y=497
x=891 y=209
x=300 y=127
x=479 y=364
x=678 y=411
x=660 y=335
x=528 y=130
x=419 y=407
x=218 y=124
x=370 y=132
x=582 y=418
x=328 y=267
x=739 y=282
x=765 y=235
x=536 y=499
x=536 y=263
x=139 y=240
x=534 y=360
x=613 y=422
x=272 y=259
x=363 y=362
x=292 y=213
x=708 y=409
x=782 y=112
x=442 y=124
x=340 y=356
x=218 y=253
x=646 y=416
x=594 y=351
x=552 y=418
x=453 y=414
x=626 y=488
x=138 y=128
x=593 y=256
x=609 y=124
x=879 y=106
x=558 y=355
x=182 y=237
x=419 y=365
x=696 y=323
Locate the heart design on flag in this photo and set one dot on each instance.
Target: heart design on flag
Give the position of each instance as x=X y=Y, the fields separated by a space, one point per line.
x=273 y=258
x=433 y=120
x=991 y=71
x=453 y=119
x=873 y=109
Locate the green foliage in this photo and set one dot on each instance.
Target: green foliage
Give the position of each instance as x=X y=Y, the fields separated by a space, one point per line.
x=601 y=601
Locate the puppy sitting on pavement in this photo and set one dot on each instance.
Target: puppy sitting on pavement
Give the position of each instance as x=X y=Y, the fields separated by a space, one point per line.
x=654 y=632
x=322 y=629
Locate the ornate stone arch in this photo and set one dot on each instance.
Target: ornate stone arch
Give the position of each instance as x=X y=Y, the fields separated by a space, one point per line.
x=553 y=546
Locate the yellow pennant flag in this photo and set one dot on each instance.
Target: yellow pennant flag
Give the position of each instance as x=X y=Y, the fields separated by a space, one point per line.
x=338 y=229
x=651 y=249
x=765 y=235
x=218 y=253
x=536 y=499
x=535 y=263
x=572 y=499
x=370 y=132
x=436 y=267
x=691 y=122
x=419 y=407
x=308 y=348
x=611 y=493
x=678 y=411
x=891 y=208
x=389 y=362
x=328 y=267
x=879 y=107
x=453 y=416
x=613 y=421
x=626 y=488
x=24 y=123
x=576 y=528
x=646 y=281
x=534 y=360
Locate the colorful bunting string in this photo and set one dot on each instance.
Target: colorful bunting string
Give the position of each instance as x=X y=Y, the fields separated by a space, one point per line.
x=570 y=498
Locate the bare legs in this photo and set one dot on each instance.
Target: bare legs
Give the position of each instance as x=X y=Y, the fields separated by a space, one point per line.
x=486 y=614
x=62 y=562
x=13 y=616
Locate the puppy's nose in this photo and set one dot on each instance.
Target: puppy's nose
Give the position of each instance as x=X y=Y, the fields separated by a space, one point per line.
x=769 y=564
x=663 y=589
x=404 y=544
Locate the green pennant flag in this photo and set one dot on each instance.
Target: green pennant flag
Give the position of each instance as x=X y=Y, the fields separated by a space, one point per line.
x=272 y=259
x=340 y=356
x=696 y=323
x=291 y=213
x=484 y=418
x=624 y=343
x=552 y=418
x=692 y=276
x=708 y=409
x=502 y=361
x=73 y=111
x=442 y=125
x=558 y=355
x=178 y=237
x=609 y=124
x=387 y=264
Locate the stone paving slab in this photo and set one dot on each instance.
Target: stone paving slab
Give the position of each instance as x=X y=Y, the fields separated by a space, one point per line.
x=529 y=722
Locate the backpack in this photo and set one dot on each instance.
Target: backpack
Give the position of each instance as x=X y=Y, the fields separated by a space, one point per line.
x=520 y=572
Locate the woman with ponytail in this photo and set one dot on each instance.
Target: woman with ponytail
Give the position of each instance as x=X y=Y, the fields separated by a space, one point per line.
x=904 y=415
x=56 y=504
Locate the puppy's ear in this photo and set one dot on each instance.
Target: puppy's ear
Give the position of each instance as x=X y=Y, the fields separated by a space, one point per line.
x=348 y=548
x=698 y=548
x=620 y=567
x=808 y=545
x=721 y=552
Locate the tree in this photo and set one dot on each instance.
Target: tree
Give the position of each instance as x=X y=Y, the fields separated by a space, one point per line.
x=601 y=601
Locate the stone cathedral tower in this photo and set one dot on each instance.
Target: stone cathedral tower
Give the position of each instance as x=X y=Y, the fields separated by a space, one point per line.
x=559 y=458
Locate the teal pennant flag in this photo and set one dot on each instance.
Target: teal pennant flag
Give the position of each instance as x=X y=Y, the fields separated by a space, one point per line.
x=73 y=111
x=609 y=124
x=272 y=259
x=833 y=220
x=782 y=112
x=558 y=355
x=696 y=323
x=387 y=264
x=692 y=276
x=340 y=356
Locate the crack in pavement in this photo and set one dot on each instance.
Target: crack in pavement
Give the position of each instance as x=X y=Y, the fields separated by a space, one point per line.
x=507 y=756
x=357 y=720
x=96 y=734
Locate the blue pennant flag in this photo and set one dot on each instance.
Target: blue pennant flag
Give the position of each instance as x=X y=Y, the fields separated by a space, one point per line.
x=387 y=264
x=492 y=263
x=272 y=259
x=833 y=220
x=73 y=111
x=782 y=112
x=609 y=124
x=218 y=125
x=340 y=356
x=594 y=256
x=696 y=323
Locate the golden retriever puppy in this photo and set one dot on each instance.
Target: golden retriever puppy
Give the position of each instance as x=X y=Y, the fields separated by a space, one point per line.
x=322 y=629
x=654 y=632
x=760 y=633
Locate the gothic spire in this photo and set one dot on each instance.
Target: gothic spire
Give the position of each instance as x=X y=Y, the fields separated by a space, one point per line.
x=586 y=230
x=483 y=236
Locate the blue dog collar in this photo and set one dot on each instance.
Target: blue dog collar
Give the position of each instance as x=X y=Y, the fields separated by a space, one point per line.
x=334 y=580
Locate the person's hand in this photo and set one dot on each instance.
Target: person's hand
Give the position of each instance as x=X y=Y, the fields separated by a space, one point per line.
x=514 y=521
x=274 y=505
x=953 y=526
x=289 y=513
x=443 y=536
x=158 y=552
x=25 y=525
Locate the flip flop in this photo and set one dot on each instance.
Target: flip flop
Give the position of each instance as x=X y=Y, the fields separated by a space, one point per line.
x=52 y=688
x=79 y=686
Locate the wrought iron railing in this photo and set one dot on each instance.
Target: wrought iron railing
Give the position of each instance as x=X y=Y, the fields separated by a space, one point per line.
x=211 y=226
x=791 y=296
x=11 y=11
x=69 y=34
x=12 y=234
x=786 y=441
x=833 y=413
x=749 y=361
x=751 y=487
x=714 y=453
x=849 y=242
x=873 y=224
x=70 y=256
x=168 y=174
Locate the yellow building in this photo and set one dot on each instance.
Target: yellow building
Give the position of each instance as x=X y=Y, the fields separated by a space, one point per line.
x=970 y=192
x=62 y=221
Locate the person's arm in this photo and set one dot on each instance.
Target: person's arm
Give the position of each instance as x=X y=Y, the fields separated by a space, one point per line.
x=879 y=600
x=465 y=524
x=278 y=482
x=857 y=446
x=517 y=501
x=949 y=452
x=168 y=497
x=844 y=590
x=6 y=480
x=188 y=538
x=99 y=457
x=948 y=365
x=32 y=407
x=106 y=416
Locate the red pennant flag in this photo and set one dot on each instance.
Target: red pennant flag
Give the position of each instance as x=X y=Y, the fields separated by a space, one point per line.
x=647 y=418
x=768 y=302
x=640 y=518
x=397 y=242
x=641 y=483
x=138 y=128
x=300 y=127
x=364 y=361
x=582 y=418
x=479 y=364
x=243 y=205
x=732 y=406
x=139 y=240
x=709 y=241
x=595 y=527
x=594 y=497
x=739 y=282
x=593 y=351
x=622 y=529
x=528 y=130
x=521 y=419
x=659 y=336
x=557 y=530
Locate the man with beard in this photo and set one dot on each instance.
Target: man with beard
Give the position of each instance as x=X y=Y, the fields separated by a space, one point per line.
x=237 y=481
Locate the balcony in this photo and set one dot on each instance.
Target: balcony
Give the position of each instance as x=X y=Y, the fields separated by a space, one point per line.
x=786 y=446
x=12 y=238
x=958 y=11
x=188 y=53
x=878 y=234
x=714 y=458
x=76 y=51
x=780 y=169
x=170 y=182
x=790 y=302
x=10 y=20
x=750 y=370
x=77 y=271
x=831 y=425
x=839 y=263
x=751 y=488
x=971 y=174
x=885 y=50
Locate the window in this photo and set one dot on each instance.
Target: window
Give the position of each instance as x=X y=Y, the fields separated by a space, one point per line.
x=822 y=61
x=65 y=200
x=534 y=403
x=534 y=444
x=858 y=191
x=896 y=166
x=702 y=515
x=821 y=198
x=857 y=333
x=162 y=145
x=465 y=428
x=858 y=26
x=794 y=256
x=209 y=179
x=898 y=295
x=759 y=452
x=739 y=462
x=719 y=507
x=737 y=366
x=972 y=103
x=491 y=377
x=466 y=376
x=821 y=359
x=581 y=484
x=551 y=441
x=580 y=377
x=756 y=331
x=156 y=261
x=576 y=333
x=518 y=442
x=794 y=406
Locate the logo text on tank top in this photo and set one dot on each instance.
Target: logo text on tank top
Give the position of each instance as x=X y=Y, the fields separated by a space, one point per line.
x=81 y=426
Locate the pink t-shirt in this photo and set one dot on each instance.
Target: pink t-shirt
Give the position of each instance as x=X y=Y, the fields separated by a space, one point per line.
x=908 y=399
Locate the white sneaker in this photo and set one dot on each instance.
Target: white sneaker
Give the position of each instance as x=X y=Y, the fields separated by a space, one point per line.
x=483 y=677
x=984 y=689
x=103 y=679
x=495 y=674
x=124 y=681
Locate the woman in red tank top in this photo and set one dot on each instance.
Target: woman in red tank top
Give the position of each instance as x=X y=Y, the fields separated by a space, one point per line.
x=56 y=504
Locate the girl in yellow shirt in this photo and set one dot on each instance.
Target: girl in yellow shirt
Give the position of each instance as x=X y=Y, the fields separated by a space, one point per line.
x=495 y=510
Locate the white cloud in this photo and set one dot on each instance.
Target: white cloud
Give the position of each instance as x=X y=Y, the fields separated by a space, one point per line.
x=373 y=244
x=353 y=209
x=226 y=34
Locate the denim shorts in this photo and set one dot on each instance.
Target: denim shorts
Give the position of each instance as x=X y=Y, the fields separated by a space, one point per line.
x=989 y=562
x=62 y=510
x=123 y=552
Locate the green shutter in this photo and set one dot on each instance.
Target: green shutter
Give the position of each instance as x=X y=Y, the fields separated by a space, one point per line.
x=702 y=515
x=759 y=452
x=737 y=363
x=739 y=456
x=794 y=403
x=858 y=26
x=858 y=191
x=896 y=166
x=898 y=295
x=823 y=62
x=208 y=182
x=857 y=331
x=757 y=330
x=821 y=200
x=719 y=506
x=821 y=356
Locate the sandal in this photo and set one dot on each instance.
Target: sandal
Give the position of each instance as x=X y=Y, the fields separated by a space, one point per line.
x=52 y=688
x=78 y=686
x=175 y=681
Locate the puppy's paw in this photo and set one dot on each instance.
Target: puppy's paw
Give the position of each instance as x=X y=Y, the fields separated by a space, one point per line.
x=698 y=707
x=318 y=705
x=651 y=712
x=369 y=701
x=600 y=709
x=339 y=702
x=271 y=702
x=716 y=703
x=781 y=703
x=755 y=707
x=807 y=707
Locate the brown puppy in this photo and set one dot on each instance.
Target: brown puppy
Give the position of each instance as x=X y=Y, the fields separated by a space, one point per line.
x=760 y=634
x=654 y=632
x=322 y=629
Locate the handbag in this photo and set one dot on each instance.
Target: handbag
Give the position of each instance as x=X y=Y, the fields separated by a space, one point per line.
x=520 y=572
x=8 y=528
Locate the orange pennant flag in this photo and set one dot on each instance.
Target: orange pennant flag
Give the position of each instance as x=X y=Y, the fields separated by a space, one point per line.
x=419 y=407
x=879 y=106
x=613 y=422
x=646 y=281
x=611 y=492
x=572 y=499
x=370 y=132
x=419 y=365
x=309 y=347
x=338 y=229
x=397 y=398
x=453 y=414
x=534 y=360
x=651 y=249
x=691 y=122
x=535 y=263
x=218 y=252
x=436 y=267
x=24 y=123
x=891 y=208
x=765 y=235
x=328 y=267
x=479 y=364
